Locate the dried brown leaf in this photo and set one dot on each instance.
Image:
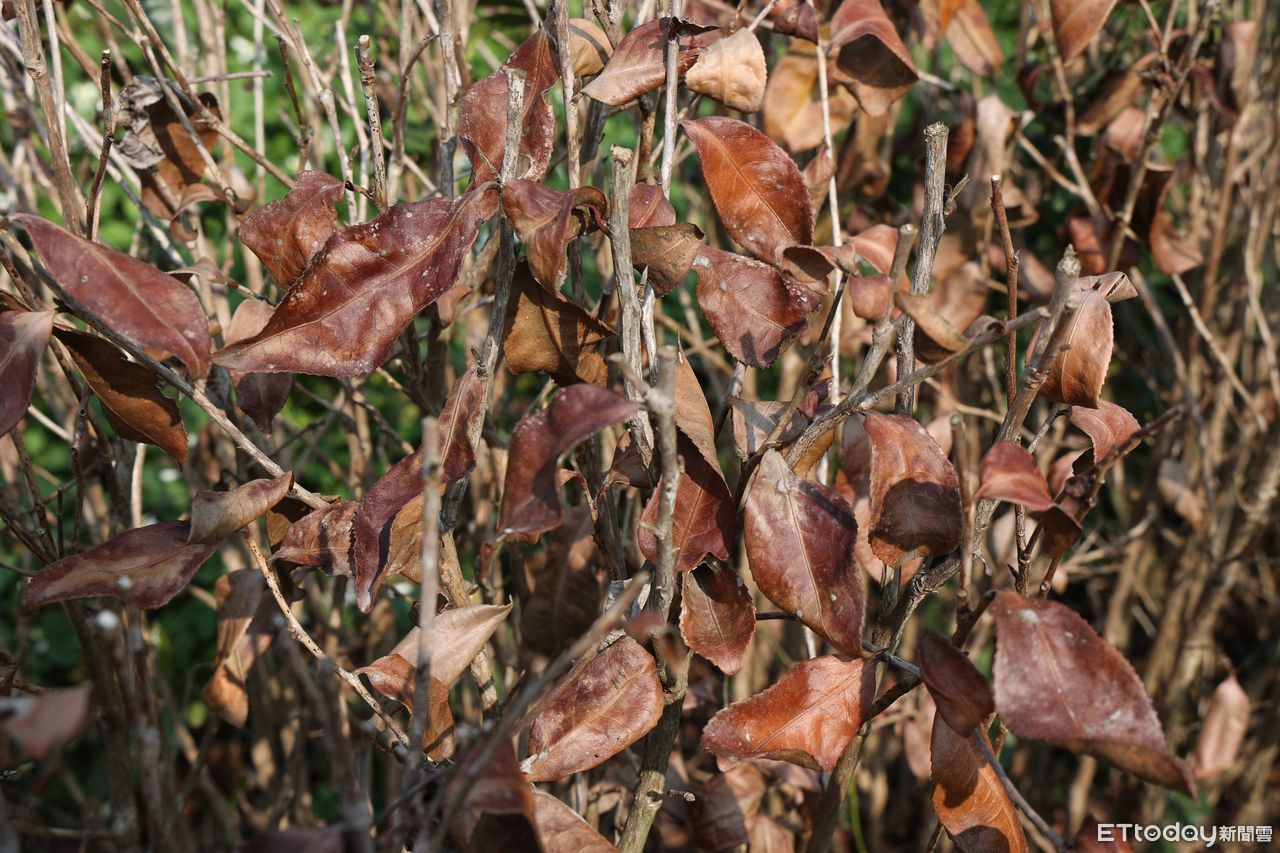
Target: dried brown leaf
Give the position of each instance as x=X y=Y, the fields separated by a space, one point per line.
x=216 y=515
x=286 y=234
x=1223 y=731
x=732 y=71
x=23 y=337
x=871 y=55
x=968 y=797
x=961 y=693
x=717 y=616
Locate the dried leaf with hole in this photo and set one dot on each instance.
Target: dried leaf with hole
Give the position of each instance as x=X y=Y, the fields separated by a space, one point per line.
x=962 y=695
x=286 y=234
x=758 y=190
x=147 y=566
x=638 y=64
x=808 y=717
x=717 y=616
x=968 y=797
x=1223 y=731
x=547 y=332
x=915 y=493
x=793 y=102
x=23 y=337
x=217 y=515
x=1050 y=669
x=346 y=312
x=1076 y=375
x=732 y=71
x=548 y=220
x=800 y=537
x=597 y=710
x=135 y=299
x=44 y=722
x=870 y=55
x=261 y=396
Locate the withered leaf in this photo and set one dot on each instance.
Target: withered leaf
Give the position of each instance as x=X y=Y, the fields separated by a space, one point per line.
x=216 y=515
x=1077 y=374
x=974 y=41
x=1173 y=483
x=935 y=337
x=808 y=717
x=369 y=281
x=915 y=493
x=394 y=677
x=148 y=566
x=705 y=517
x=286 y=234
x=961 y=694
x=137 y=300
x=800 y=537
x=561 y=828
x=1076 y=22
x=566 y=595
x=799 y=20
x=1009 y=473
x=23 y=337
x=717 y=616
x=753 y=311
x=871 y=55
x=649 y=208
x=1050 y=669
x=531 y=494
x=589 y=45
x=757 y=189
x=793 y=102
x=545 y=331
x=817 y=177
x=597 y=710
x=968 y=797
x=548 y=220
x=261 y=396
x=1109 y=426
x=321 y=540
x=246 y=627
x=1223 y=731
x=726 y=806
x=732 y=71
x=638 y=64
x=44 y=722
x=482 y=114
x=667 y=252
x=497 y=812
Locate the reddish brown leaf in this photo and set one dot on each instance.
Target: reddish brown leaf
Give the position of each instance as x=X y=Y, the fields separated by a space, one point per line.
x=560 y=827
x=871 y=55
x=960 y=692
x=974 y=41
x=246 y=627
x=717 y=617
x=148 y=566
x=394 y=677
x=800 y=537
x=1076 y=375
x=531 y=494
x=547 y=332
x=369 y=281
x=757 y=189
x=566 y=595
x=1076 y=22
x=135 y=299
x=261 y=396
x=817 y=178
x=1108 y=426
x=799 y=20
x=1009 y=473
x=548 y=220
x=216 y=515
x=597 y=710
x=969 y=799
x=667 y=252
x=935 y=338
x=23 y=337
x=638 y=64
x=732 y=71
x=286 y=234
x=726 y=806
x=1223 y=730
x=44 y=722
x=705 y=518
x=793 y=102
x=497 y=811
x=808 y=717
x=482 y=114
x=649 y=208
x=915 y=494
x=753 y=311
x=1050 y=669
x=321 y=540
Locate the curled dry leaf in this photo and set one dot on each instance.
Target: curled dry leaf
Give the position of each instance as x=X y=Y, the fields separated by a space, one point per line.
x=1075 y=377
x=44 y=722
x=649 y=208
x=261 y=396
x=800 y=537
x=394 y=677
x=870 y=296
x=138 y=301
x=705 y=518
x=758 y=190
x=968 y=797
x=753 y=311
x=590 y=47
x=962 y=695
x=561 y=828
x=369 y=281
x=667 y=252
x=974 y=41
x=321 y=540
x=147 y=566
x=216 y=515
x=286 y=234
x=1076 y=22
x=638 y=64
x=732 y=71
x=246 y=627
x=597 y=710
x=870 y=55
x=817 y=178
x=1223 y=731
x=793 y=102
x=130 y=393
x=717 y=616
x=531 y=493
x=482 y=114
x=545 y=331
x=548 y=220
x=1108 y=426
x=1050 y=669
x=799 y=20
x=1009 y=473
x=23 y=337
x=808 y=717
x=935 y=337
x=915 y=493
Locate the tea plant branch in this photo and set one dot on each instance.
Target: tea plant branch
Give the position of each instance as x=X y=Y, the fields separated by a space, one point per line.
x=837 y=239
x=364 y=60
x=94 y=205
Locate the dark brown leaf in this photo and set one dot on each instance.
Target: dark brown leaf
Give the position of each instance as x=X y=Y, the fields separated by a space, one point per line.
x=23 y=337
x=548 y=332
x=705 y=518
x=147 y=566
x=871 y=55
x=1050 y=669
x=261 y=396
x=548 y=220
x=286 y=234
x=800 y=538
x=808 y=717
x=799 y=20
x=961 y=694
x=137 y=300
x=969 y=799
x=216 y=515
x=726 y=807
x=717 y=616
x=597 y=710
x=497 y=812
x=566 y=595
x=369 y=281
